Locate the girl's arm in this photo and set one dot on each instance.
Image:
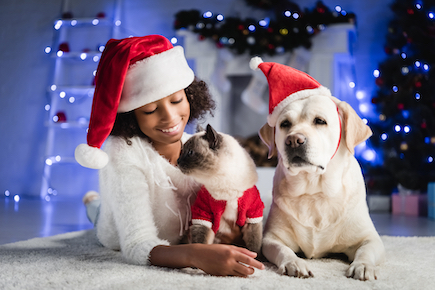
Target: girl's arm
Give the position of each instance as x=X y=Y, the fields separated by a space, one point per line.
x=215 y=259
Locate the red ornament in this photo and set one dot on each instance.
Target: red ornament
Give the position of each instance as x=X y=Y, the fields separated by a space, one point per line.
x=423 y=125
x=270 y=29
x=379 y=81
x=418 y=84
x=241 y=27
x=375 y=100
x=410 y=11
x=60 y=117
x=101 y=15
x=400 y=106
x=64 y=46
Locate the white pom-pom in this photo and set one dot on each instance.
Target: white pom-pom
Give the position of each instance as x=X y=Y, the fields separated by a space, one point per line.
x=91 y=157
x=255 y=62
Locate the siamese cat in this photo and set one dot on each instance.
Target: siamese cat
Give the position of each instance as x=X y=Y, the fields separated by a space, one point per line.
x=228 y=198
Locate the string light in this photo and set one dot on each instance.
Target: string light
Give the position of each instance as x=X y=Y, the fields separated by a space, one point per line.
x=384 y=136
x=7 y=193
x=118 y=23
x=207 y=14
x=174 y=40
x=219 y=17
x=47 y=50
x=376 y=73
x=58 y=24
x=73 y=22
x=95 y=21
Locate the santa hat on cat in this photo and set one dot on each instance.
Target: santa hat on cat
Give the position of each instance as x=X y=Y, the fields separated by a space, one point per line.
x=132 y=72
x=286 y=85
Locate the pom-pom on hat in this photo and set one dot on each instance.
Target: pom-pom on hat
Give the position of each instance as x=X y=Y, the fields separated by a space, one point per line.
x=286 y=85
x=132 y=72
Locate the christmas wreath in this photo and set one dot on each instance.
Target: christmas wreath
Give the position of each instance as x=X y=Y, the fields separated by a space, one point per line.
x=287 y=28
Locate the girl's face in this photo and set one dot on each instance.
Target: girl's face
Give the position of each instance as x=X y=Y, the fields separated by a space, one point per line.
x=163 y=121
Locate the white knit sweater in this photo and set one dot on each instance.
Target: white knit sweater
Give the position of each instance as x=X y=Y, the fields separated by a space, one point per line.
x=145 y=201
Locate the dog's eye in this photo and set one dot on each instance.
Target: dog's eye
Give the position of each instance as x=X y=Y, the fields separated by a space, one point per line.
x=190 y=153
x=319 y=121
x=285 y=124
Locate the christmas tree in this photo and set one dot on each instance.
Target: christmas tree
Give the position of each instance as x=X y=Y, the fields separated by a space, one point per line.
x=404 y=133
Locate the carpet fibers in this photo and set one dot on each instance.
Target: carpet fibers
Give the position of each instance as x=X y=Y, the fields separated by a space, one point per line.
x=76 y=261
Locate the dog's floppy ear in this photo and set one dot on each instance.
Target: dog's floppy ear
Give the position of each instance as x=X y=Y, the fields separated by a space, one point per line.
x=267 y=135
x=355 y=131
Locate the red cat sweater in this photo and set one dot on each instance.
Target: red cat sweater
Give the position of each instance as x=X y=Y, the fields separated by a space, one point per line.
x=208 y=211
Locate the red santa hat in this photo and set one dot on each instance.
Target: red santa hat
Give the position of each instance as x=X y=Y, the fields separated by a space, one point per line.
x=132 y=72
x=286 y=85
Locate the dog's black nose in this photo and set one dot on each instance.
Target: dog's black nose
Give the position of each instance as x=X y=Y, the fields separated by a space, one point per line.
x=295 y=140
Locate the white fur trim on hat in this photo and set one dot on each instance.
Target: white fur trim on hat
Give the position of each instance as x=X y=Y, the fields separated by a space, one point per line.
x=155 y=78
x=255 y=62
x=91 y=157
x=273 y=117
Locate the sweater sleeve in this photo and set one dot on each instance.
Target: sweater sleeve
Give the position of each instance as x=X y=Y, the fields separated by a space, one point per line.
x=126 y=216
x=201 y=211
x=254 y=213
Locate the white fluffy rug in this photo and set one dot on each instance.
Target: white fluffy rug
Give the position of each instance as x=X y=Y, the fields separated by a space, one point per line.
x=75 y=261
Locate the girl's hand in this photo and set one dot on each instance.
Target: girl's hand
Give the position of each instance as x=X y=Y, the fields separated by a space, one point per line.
x=224 y=260
x=215 y=259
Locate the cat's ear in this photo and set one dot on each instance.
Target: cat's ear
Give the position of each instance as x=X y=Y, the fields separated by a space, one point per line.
x=199 y=128
x=213 y=138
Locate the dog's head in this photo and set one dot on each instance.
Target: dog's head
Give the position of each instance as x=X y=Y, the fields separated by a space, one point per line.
x=309 y=132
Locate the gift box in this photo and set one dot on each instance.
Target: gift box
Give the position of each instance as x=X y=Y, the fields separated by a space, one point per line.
x=410 y=205
x=431 y=200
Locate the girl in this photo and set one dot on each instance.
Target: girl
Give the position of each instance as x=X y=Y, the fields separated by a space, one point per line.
x=145 y=95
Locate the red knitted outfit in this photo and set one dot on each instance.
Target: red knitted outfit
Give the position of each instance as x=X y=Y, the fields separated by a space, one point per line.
x=208 y=211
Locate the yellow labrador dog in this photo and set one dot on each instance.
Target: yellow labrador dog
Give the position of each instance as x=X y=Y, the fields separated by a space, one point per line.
x=319 y=198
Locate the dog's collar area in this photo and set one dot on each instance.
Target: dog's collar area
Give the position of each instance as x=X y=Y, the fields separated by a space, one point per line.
x=339 y=122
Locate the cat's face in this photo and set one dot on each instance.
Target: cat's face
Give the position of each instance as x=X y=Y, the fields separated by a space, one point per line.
x=200 y=154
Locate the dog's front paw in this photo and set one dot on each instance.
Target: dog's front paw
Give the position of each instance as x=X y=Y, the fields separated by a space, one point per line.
x=361 y=271
x=296 y=268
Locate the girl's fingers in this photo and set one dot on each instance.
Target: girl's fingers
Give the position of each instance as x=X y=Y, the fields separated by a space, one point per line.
x=242 y=270
x=250 y=262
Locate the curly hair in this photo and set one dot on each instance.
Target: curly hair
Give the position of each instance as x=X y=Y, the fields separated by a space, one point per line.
x=200 y=101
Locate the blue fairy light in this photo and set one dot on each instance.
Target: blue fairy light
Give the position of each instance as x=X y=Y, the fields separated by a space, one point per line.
x=417 y=64
x=207 y=14
x=251 y=28
x=287 y=13
x=264 y=22
x=220 y=17
x=430 y=159
x=174 y=40
x=376 y=73
x=406 y=129
x=384 y=136
x=395 y=89
x=397 y=128
x=427 y=140
x=431 y=15
x=338 y=8
x=295 y=15
x=417 y=96
x=403 y=55
x=405 y=114
x=426 y=67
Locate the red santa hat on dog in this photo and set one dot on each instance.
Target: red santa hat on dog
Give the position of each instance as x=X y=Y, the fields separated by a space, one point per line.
x=132 y=72
x=286 y=85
